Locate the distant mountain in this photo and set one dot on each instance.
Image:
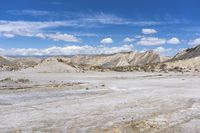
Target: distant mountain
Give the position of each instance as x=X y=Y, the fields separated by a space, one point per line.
x=78 y=62
x=188 y=53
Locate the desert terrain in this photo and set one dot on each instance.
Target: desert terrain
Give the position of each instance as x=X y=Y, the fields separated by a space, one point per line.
x=119 y=93
x=99 y=66
x=100 y=102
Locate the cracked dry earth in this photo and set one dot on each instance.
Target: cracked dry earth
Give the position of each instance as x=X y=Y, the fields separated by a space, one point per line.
x=107 y=102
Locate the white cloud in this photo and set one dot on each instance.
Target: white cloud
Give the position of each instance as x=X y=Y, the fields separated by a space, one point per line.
x=7 y=35
x=166 y=51
x=151 y=41
x=27 y=26
x=63 y=37
x=29 y=12
x=84 y=19
x=68 y=50
x=173 y=40
x=194 y=42
x=87 y=34
x=96 y=19
x=107 y=41
x=163 y=50
x=127 y=39
x=11 y=29
x=58 y=37
x=149 y=31
x=139 y=36
x=77 y=19
x=1 y=50
x=155 y=41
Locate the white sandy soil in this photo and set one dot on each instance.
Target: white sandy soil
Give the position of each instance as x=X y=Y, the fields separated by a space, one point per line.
x=102 y=102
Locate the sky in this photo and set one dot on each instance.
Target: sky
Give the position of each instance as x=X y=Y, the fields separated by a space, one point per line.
x=68 y=27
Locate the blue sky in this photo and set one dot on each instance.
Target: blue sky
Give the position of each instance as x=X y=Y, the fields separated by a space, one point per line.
x=53 y=27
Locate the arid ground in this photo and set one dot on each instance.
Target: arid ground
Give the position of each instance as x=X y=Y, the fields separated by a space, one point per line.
x=99 y=102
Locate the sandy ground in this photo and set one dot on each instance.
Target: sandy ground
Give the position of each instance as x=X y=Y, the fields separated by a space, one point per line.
x=100 y=102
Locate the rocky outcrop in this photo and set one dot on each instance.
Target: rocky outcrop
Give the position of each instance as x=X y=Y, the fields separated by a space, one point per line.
x=188 y=53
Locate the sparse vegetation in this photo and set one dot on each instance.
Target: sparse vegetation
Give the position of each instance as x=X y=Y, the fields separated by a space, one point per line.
x=6 y=79
x=22 y=80
x=98 y=68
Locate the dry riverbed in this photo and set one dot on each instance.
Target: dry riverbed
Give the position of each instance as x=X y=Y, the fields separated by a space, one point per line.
x=99 y=102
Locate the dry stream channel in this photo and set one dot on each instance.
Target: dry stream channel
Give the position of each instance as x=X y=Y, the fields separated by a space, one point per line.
x=99 y=102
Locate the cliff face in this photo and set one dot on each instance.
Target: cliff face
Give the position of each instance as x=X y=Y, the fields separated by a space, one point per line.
x=118 y=59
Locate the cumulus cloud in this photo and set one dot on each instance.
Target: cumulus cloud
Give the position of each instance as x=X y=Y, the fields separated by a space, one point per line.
x=194 y=42
x=11 y=29
x=162 y=50
x=127 y=40
x=173 y=40
x=155 y=41
x=58 y=37
x=107 y=41
x=166 y=51
x=68 y=50
x=7 y=35
x=149 y=31
x=151 y=41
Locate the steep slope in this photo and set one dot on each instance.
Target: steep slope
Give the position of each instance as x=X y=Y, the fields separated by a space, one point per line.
x=188 y=53
x=15 y=63
x=73 y=63
x=4 y=61
x=186 y=60
x=116 y=60
x=145 y=58
x=26 y=61
x=53 y=64
x=7 y=65
x=191 y=64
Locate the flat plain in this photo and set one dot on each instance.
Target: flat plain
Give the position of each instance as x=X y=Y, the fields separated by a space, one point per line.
x=99 y=102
